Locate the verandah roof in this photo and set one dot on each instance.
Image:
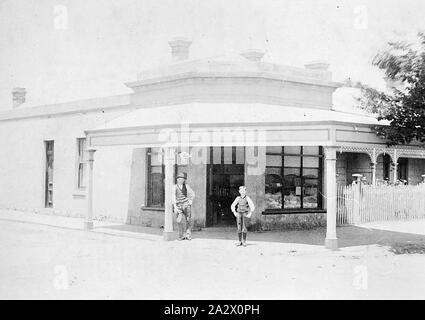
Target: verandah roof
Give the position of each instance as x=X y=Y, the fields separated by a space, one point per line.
x=229 y=114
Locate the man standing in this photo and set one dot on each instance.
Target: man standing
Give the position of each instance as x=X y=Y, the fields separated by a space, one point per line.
x=182 y=198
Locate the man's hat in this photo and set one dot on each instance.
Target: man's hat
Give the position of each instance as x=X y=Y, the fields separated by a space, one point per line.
x=182 y=175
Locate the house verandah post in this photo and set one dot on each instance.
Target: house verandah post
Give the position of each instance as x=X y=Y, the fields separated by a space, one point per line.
x=88 y=224
x=373 y=166
x=331 y=241
x=395 y=165
x=169 y=159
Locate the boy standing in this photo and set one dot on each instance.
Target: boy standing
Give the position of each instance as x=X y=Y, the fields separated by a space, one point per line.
x=182 y=198
x=244 y=210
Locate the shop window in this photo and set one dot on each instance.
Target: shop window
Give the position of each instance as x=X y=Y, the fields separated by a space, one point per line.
x=81 y=164
x=156 y=175
x=293 y=178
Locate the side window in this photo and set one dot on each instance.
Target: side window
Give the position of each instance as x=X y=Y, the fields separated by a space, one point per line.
x=81 y=164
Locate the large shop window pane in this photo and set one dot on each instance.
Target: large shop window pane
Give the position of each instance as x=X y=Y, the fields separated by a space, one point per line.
x=273 y=161
x=292 y=188
x=311 y=150
x=295 y=183
x=291 y=161
x=273 y=194
x=311 y=162
x=277 y=150
x=311 y=173
x=292 y=150
x=310 y=193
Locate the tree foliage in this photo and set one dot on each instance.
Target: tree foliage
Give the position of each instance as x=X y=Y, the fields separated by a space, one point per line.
x=404 y=105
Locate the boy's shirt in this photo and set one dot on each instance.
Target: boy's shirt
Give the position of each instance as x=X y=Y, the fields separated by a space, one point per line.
x=248 y=199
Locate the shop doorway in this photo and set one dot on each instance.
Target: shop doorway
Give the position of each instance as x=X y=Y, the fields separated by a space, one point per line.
x=225 y=174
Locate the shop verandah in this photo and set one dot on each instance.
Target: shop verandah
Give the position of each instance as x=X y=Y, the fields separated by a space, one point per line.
x=291 y=165
x=258 y=170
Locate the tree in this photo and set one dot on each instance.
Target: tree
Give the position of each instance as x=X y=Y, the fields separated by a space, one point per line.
x=404 y=105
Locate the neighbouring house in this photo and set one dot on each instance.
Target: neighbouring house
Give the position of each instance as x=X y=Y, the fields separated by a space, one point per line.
x=224 y=121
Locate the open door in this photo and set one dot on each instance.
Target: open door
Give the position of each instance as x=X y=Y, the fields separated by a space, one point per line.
x=223 y=182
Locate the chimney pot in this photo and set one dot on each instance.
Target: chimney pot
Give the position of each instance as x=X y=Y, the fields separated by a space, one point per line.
x=253 y=55
x=18 y=95
x=180 y=48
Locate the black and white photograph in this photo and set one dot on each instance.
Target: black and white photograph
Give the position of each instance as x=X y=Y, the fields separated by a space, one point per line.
x=221 y=150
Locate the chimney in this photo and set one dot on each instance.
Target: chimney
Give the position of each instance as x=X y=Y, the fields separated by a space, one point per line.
x=317 y=65
x=18 y=95
x=179 y=48
x=253 y=55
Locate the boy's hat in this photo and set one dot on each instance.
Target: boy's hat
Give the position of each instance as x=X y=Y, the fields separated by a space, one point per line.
x=182 y=175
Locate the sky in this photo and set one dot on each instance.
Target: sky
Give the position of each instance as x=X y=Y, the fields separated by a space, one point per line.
x=65 y=50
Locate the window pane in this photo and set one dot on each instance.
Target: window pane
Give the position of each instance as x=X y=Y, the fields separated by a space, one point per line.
x=310 y=193
x=216 y=155
x=273 y=171
x=292 y=188
x=311 y=150
x=290 y=161
x=273 y=161
x=227 y=155
x=311 y=173
x=292 y=150
x=81 y=176
x=156 y=158
x=311 y=162
x=292 y=172
x=274 y=150
x=273 y=194
x=157 y=185
x=81 y=149
x=156 y=169
x=240 y=155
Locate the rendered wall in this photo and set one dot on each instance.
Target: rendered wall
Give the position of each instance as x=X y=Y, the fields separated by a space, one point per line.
x=22 y=166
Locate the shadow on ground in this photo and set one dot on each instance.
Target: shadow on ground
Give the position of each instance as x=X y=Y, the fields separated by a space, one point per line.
x=348 y=236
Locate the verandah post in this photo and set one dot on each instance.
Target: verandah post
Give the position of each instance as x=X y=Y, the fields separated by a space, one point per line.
x=88 y=224
x=169 y=159
x=331 y=241
x=356 y=200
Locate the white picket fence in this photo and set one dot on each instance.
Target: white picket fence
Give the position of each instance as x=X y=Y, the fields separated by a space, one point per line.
x=365 y=203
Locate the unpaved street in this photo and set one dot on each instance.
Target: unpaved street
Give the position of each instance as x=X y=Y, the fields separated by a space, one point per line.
x=43 y=262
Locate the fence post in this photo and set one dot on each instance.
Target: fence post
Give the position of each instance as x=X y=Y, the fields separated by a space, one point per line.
x=356 y=197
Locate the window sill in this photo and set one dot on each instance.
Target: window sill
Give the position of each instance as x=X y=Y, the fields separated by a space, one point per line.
x=81 y=194
x=152 y=208
x=291 y=211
